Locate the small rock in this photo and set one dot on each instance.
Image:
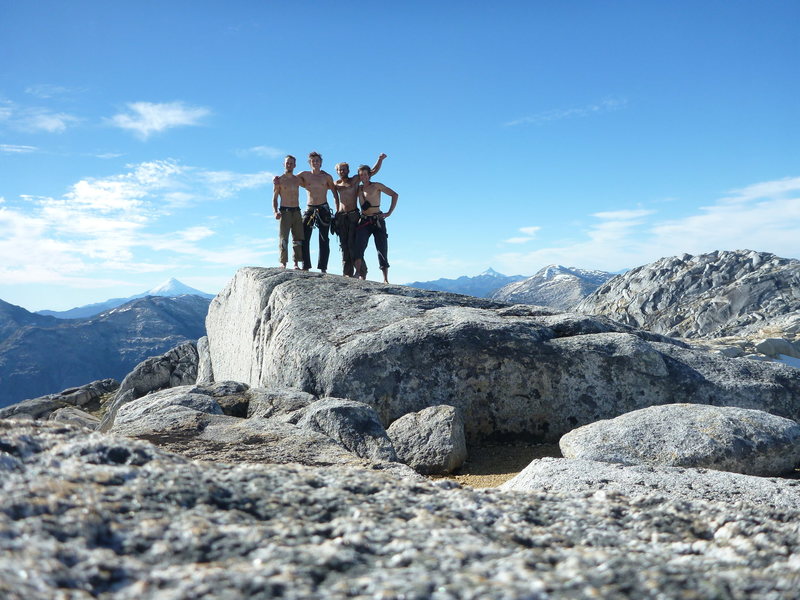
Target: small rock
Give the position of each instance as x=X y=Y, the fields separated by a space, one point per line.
x=430 y=441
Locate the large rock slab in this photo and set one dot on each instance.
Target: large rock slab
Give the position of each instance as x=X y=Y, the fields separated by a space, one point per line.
x=98 y=516
x=512 y=371
x=177 y=367
x=691 y=435
x=576 y=476
x=430 y=441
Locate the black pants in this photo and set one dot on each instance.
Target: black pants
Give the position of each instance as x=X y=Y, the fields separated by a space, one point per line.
x=320 y=217
x=346 y=228
x=375 y=227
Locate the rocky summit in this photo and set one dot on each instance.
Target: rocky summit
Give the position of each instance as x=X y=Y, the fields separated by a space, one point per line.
x=723 y=293
x=266 y=461
x=513 y=371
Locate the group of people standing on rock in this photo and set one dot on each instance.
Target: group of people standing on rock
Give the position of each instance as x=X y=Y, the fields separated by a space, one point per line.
x=358 y=215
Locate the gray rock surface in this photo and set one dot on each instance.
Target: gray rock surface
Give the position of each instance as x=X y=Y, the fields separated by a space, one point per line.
x=576 y=476
x=205 y=371
x=430 y=441
x=97 y=516
x=87 y=396
x=776 y=346
x=176 y=367
x=354 y=425
x=723 y=293
x=691 y=435
x=554 y=286
x=75 y=416
x=511 y=370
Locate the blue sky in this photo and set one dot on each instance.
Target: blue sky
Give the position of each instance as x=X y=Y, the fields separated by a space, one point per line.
x=138 y=140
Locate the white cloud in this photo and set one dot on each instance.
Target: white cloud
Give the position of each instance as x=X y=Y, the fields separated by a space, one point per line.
x=46 y=90
x=530 y=233
x=763 y=217
x=146 y=118
x=121 y=223
x=35 y=119
x=15 y=149
x=558 y=114
x=264 y=152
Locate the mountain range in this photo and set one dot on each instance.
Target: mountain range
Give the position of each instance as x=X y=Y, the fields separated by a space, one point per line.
x=481 y=286
x=41 y=354
x=555 y=286
x=170 y=288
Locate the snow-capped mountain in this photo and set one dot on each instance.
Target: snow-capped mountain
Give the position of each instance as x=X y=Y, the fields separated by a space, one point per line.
x=481 y=285
x=555 y=286
x=169 y=289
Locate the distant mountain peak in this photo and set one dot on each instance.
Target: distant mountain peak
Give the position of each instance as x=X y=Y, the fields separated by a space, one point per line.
x=173 y=287
x=491 y=273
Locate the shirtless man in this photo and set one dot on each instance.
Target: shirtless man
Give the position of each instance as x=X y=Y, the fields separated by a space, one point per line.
x=373 y=221
x=317 y=184
x=287 y=186
x=347 y=217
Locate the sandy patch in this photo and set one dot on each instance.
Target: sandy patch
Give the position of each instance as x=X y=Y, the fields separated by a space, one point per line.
x=490 y=465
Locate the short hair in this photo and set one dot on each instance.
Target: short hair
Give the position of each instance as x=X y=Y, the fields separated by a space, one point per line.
x=365 y=168
x=314 y=154
x=290 y=156
x=342 y=164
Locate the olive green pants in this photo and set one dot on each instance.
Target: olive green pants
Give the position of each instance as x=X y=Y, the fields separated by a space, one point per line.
x=291 y=220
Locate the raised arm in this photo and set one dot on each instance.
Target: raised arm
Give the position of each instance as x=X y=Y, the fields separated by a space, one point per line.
x=377 y=166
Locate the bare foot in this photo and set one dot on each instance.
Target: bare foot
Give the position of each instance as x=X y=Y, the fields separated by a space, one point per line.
x=283 y=265
x=296 y=267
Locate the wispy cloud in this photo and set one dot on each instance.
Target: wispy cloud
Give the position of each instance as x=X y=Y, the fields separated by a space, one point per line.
x=147 y=118
x=263 y=152
x=530 y=234
x=35 y=119
x=764 y=217
x=48 y=90
x=558 y=114
x=120 y=223
x=14 y=149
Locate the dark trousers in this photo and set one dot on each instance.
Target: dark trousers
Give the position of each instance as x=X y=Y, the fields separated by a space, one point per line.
x=375 y=227
x=319 y=217
x=346 y=227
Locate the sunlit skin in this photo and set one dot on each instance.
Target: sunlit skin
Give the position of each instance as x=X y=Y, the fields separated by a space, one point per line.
x=287 y=186
x=370 y=191
x=348 y=186
x=317 y=183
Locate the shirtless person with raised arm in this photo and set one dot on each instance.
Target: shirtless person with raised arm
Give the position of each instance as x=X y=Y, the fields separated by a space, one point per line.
x=373 y=220
x=318 y=213
x=287 y=187
x=348 y=215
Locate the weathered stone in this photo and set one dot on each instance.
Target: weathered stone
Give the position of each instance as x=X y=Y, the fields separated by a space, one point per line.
x=354 y=425
x=174 y=368
x=41 y=408
x=430 y=441
x=75 y=416
x=97 y=516
x=717 y=294
x=279 y=404
x=691 y=435
x=575 y=476
x=174 y=410
x=205 y=371
x=233 y=397
x=512 y=371
x=776 y=346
